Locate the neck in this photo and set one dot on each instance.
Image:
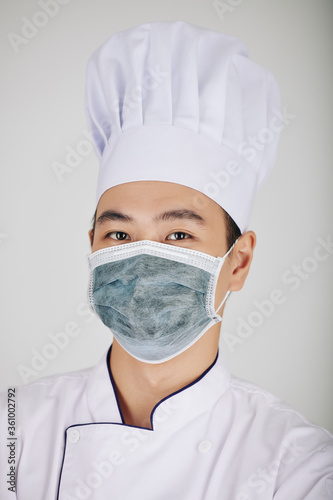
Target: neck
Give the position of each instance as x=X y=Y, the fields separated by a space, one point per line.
x=140 y=386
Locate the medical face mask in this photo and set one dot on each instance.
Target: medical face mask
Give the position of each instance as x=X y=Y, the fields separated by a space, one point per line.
x=157 y=299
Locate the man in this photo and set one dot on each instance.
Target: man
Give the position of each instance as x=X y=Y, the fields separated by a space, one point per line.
x=165 y=212
x=171 y=107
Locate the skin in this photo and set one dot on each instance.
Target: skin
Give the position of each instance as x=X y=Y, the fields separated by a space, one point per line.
x=140 y=386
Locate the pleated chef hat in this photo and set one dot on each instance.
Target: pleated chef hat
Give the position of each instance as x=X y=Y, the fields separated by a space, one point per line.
x=170 y=101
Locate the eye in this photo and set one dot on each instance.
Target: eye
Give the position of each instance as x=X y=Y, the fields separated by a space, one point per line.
x=117 y=235
x=179 y=235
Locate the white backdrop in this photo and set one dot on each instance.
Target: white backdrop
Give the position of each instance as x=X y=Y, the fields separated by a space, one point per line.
x=285 y=347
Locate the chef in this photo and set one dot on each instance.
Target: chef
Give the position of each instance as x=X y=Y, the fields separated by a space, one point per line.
x=186 y=127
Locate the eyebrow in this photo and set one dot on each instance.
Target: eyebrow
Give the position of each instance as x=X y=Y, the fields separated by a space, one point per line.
x=108 y=215
x=183 y=214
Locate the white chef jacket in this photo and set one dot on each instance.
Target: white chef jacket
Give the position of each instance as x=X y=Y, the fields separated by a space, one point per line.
x=219 y=438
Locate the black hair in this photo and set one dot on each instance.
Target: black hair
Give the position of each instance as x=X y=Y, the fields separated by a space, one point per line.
x=232 y=230
x=93 y=222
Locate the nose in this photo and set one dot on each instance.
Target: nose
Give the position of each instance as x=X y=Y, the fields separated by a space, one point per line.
x=148 y=233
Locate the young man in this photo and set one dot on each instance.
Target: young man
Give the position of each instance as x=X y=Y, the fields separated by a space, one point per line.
x=171 y=108
x=166 y=213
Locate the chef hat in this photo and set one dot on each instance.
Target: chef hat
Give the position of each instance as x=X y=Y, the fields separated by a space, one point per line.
x=170 y=101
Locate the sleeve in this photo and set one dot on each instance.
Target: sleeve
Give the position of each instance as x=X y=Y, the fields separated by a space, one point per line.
x=311 y=478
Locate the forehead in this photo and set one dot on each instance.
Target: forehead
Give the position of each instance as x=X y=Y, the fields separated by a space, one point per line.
x=152 y=196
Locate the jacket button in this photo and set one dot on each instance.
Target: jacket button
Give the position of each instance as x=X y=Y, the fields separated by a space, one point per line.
x=73 y=435
x=205 y=446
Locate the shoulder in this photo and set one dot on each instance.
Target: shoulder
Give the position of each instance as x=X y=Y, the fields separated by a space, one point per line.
x=51 y=385
x=285 y=445
x=46 y=397
x=270 y=407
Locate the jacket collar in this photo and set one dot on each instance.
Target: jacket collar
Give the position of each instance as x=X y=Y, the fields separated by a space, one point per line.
x=174 y=411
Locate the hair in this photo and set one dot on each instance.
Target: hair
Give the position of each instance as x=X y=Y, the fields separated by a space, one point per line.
x=93 y=223
x=232 y=230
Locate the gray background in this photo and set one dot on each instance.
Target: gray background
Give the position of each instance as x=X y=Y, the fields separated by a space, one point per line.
x=44 y=222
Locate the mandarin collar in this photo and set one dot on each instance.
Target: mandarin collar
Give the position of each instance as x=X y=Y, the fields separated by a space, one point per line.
x=173 y=411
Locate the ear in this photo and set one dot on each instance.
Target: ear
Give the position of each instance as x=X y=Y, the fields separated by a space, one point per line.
x=91 y=237
x=240 y=260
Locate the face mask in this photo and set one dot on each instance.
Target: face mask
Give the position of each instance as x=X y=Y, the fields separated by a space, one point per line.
x=157 y=299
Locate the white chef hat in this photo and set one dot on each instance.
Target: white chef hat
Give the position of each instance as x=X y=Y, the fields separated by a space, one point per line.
x=170 y=101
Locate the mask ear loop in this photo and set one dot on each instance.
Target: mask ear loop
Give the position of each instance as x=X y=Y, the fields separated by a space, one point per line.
x=223 y=301
x=228 y=292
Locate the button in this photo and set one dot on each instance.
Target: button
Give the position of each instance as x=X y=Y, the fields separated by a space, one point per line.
x=73 y=435
x=205 y=446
